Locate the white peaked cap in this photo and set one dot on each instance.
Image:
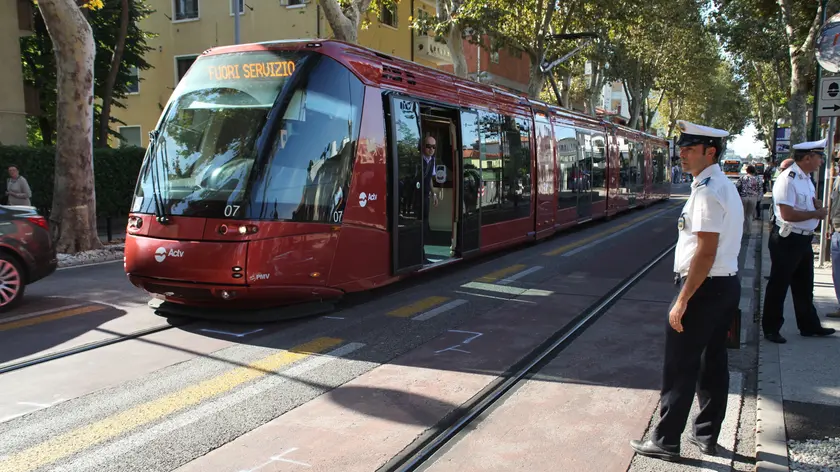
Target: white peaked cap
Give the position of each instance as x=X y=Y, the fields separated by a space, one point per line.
x=810 y=145
x=697 y=134
x=699 y=130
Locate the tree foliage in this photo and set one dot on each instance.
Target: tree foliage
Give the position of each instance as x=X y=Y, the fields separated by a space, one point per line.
x=772 y=42
x=39 y=69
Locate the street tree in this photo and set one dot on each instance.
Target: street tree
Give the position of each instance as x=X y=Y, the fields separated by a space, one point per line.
x=786 y=44
x=73 y=215
x=347 y=17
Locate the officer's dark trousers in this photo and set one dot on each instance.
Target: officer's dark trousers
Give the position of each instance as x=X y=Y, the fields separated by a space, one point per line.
x=792 y=265
x=696 y=361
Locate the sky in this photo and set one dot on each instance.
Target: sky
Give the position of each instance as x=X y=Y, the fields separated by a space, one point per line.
x=746 y=143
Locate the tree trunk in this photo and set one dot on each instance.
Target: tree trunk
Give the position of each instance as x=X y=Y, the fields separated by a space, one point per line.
x=108 y=92
x=536 y=81
x=800 y=63
x=345 y=23
x=455 y=41
x=73 y=217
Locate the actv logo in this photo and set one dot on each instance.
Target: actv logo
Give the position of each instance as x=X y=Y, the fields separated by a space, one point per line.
x=161 y=253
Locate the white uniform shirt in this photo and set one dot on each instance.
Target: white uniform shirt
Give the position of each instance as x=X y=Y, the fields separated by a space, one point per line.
x=713 y=207
x=794 y=188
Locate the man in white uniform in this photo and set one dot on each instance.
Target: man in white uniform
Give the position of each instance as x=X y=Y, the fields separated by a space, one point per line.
x=798 y=213
x=706 y=261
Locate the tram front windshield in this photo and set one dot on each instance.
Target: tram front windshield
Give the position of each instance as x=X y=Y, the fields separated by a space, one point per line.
x=262 y=134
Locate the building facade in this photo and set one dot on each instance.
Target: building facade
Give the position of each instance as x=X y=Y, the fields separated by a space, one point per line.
x=186 y=28
x=12 y=102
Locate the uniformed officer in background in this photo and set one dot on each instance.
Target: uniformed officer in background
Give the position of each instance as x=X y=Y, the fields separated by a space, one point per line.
x=798 y=213
x=706 y=261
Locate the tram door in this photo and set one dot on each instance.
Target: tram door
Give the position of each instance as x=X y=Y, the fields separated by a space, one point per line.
x=583 y=179
x=407 y=202
x=471 y=184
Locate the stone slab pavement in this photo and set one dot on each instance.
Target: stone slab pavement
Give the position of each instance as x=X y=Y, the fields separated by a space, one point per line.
x=798 y=426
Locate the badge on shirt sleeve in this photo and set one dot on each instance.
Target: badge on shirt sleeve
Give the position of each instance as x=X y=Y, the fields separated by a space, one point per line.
x=791 y=175
x=681 y=222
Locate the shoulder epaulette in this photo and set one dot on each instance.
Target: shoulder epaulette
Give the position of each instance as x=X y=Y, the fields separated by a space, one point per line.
x=704 y=181
x=791 y=175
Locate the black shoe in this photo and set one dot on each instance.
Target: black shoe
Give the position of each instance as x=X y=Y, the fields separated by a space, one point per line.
x=775 y=338
x=818 y=332
x=705 y=448
x=650 y=449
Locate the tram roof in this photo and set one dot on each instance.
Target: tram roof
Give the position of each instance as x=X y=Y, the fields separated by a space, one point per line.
x=394 y=73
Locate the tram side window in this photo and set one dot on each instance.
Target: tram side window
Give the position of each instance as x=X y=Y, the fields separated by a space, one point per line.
x=567 y=151
x=660 y=172
x=598 y=148
x=638 y=165
x=308 y=174
x=512 y=172
x=491 y=159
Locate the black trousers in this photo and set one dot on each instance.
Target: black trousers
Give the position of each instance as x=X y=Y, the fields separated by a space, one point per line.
x=696 y=361
x=792 y=265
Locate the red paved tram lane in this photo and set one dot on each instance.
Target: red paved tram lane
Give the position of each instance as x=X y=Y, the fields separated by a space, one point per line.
x=605 y=388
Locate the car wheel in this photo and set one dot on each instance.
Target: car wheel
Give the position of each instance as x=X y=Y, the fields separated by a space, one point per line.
x=12 y=284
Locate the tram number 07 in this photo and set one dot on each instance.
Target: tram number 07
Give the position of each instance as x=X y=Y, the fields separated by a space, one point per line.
x=231 y=210
x=337 y=216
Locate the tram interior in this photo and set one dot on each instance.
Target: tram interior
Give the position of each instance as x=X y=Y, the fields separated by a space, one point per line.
x=439 y=244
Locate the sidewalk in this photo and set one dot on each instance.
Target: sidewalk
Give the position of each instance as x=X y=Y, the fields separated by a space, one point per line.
x=798 y=423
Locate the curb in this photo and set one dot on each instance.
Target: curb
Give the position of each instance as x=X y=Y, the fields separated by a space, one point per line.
x=114 y=253
x=771 y=451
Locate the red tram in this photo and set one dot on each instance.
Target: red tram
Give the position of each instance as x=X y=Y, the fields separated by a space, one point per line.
x=288 y=172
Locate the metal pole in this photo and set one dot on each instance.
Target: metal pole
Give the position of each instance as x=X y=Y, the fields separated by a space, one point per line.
x=236 y=4
x=815 y=120
x=832 y=126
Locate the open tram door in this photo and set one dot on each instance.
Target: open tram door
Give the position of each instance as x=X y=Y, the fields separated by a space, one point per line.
x=425 y=234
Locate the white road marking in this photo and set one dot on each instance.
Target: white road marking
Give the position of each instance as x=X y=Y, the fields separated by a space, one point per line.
x=110 y=453
x=333 y=317
x=278 y=458
x=238 y=335
x=606 y=238
x=519 y=275
x=441 y=309
x=466 y=341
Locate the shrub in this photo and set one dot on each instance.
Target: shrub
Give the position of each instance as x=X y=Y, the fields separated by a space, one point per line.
x=115 y=172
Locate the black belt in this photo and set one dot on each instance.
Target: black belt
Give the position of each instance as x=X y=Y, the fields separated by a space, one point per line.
x=680 y=278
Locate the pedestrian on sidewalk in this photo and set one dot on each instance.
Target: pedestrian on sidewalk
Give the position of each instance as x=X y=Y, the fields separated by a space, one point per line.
x=834 y=236
x=706 y=261
x=749 y=188
x=798 y=212
x=17 y=188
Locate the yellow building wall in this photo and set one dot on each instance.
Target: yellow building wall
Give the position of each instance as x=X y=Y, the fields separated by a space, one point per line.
x=263 y=20
x=12 y=105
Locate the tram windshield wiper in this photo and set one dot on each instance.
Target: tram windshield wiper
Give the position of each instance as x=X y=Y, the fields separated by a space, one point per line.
x=157 y=194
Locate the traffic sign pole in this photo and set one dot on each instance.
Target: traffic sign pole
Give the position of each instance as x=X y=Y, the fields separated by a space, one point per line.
x=827 y=184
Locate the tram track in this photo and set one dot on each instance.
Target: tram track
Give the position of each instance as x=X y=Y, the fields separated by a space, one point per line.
x=425 y=449
x=11 y=367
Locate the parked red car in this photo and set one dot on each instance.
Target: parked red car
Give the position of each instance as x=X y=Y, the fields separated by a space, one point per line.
x=27 y=252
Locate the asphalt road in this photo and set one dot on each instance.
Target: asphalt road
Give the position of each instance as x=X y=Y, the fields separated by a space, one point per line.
x=162 y=401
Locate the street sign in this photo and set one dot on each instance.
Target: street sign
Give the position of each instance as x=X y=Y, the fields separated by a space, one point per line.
x=829 y=102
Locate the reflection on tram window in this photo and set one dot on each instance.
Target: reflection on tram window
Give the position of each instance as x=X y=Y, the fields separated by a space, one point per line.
x=660 y=174
x=567 y=151
x=507 y=168
x=598 y=149
x=307 y=175
x=471 y=155
x=201 y=162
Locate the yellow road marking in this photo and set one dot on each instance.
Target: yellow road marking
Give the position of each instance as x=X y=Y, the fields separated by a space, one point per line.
x=87 y=436
x=570 y=246
x=501 y=273
x=50 y=317
x=417 y=307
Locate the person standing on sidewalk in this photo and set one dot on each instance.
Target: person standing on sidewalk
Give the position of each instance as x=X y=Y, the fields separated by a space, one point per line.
x=834 y=236
x=749 y=188
x=798 y=212
x=706 y=261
